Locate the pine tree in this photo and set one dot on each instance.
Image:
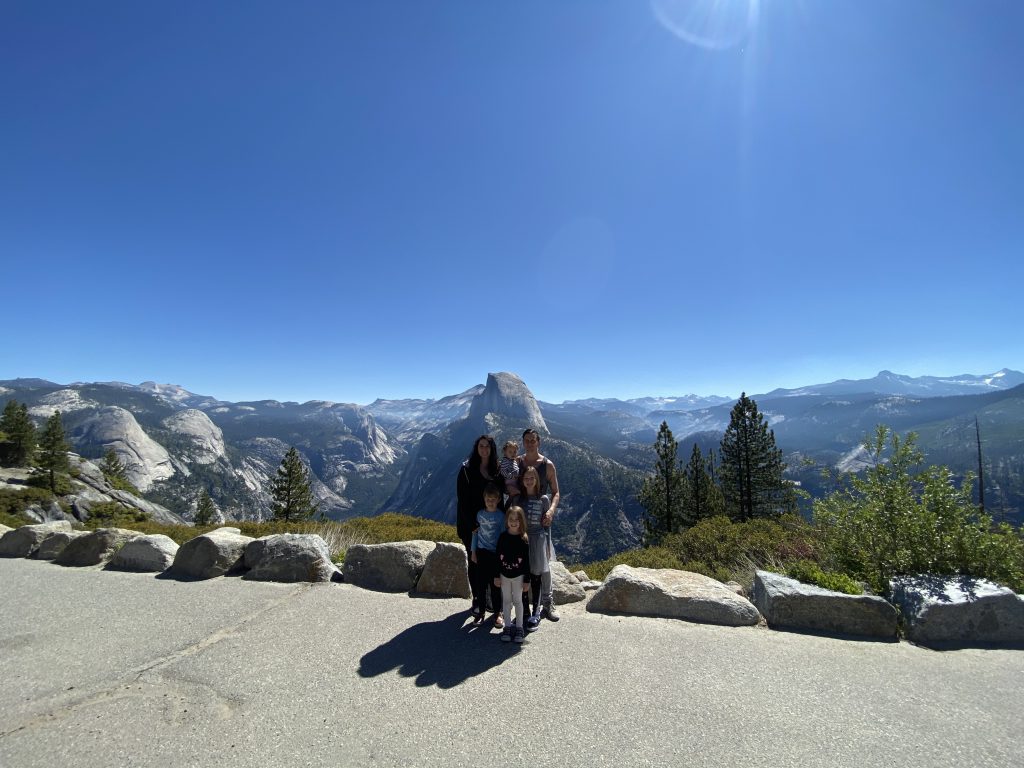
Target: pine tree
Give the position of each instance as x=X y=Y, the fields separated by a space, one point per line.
x=293 y=498
x=752 y=467
x=112 y=467
x=21 y=434
x=204 y=509
x=702 y=498
x=53 y=449
x=662 y=493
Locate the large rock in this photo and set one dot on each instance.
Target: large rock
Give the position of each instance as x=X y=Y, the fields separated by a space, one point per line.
x=23 y=541
x=445 y=571
x=507 y=394
x=959 y=612
x=145 y=460
x=49 y=512
x=786 y=603
x=145 y=554
x=205 y=439
x=565 y=587
x=55 y=543
x=212 y=554
x=289 y=557
x=95 y=547
x=672 y=594
x=394 y=567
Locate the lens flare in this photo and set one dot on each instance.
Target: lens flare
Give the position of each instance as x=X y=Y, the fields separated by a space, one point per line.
x=711 y=24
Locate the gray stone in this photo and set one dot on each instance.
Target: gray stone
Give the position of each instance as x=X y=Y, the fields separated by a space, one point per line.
x=55 y=543
x=145 y=554
x=145 y=460
x=95 y=547
x=565 y=587
x=736 y=587
x=46 y=513
x=959 y=612
x=581 y=576
x=206 y=438
x=590 y=586
x=212 y=554
x=787 y=603
x=507 y=394
x=445 y=571
x=289 y=557
x=672 y=594
x=23 y=541
x=394 y=567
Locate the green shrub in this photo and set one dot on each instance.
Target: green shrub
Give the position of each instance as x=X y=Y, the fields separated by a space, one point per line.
x=113 y=514
x=809 y=572
x=122 y=484
x=61 y=481
x=13 y=503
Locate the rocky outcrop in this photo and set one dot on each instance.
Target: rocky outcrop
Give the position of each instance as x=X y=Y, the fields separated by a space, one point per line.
x=205 y=437
x=145 y=460
x=672 y=594
x=95 y=547
x=565 y=587
x=45 y=513
x=212 y=554
x=392 y=567
x=507 y=395
x=959 y=612
x=445 y=571
x=24 y=541
x=92 y=488
x=145 y=554
x=786 y=603
x=289 y=557
x=55 y=543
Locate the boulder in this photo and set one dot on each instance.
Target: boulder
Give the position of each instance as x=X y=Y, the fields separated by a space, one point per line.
x=145 y=554
x=211 y=554
x=54 y=544
x=959 y=612
x=591 y=585
x=736 y=587
x=23 y=541
x=50 y=512
x=95 y=547
x=565 y=587
x=672 y=594
x=289 y=557
x=581 y=576
x=787 y=603
x=445 y=571
x=394 y=567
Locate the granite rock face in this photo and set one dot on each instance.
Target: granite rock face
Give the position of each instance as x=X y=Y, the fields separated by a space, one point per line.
x=210 y=555
x=289 y=557
x=786 y=603
x=95 y=547
x=394 y=567
x=145 y=554
x=206 y=438
x=672 y=594
x=24 y=541
x=505 y=393
x=565 y=587
x=145 y=460
x=947 y=612
x=445 y=571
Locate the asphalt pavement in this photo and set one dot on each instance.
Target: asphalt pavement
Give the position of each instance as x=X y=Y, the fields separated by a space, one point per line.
x=108 y=669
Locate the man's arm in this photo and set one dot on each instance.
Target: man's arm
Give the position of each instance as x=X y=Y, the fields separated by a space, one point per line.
x=555 y=496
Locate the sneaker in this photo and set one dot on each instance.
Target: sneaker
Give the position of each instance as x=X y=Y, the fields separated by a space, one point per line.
x=519 y=635
x=507 y=634
x=550 y=613
x=499 y=621
x=533 y=624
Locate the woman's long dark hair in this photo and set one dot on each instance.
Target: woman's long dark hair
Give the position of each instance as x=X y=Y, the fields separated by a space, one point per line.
x=492 y=462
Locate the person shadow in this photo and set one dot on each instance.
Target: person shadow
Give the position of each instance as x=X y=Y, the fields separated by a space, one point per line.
x=444 y=653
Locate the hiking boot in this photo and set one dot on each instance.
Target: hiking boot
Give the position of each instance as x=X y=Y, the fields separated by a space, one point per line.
x=507 y=634
x=519 y=635
x=550 y=612
x=533 y=624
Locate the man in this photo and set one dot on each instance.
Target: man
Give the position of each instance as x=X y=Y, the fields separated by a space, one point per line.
x=532 y=457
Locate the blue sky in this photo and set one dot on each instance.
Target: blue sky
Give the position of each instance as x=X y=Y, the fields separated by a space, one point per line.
x=345 y=200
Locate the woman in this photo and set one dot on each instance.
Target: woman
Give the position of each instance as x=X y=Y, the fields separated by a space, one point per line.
x=475 y=474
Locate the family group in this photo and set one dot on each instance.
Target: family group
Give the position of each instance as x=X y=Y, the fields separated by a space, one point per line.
x=505 y=509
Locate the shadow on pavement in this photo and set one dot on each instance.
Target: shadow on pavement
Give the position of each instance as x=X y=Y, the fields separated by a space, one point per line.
x=442 y=653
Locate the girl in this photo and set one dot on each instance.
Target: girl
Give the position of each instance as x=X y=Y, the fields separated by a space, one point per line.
x=538 y=528
x=514 y=563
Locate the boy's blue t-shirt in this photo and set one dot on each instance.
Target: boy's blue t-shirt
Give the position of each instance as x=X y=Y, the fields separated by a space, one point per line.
x=490 y=526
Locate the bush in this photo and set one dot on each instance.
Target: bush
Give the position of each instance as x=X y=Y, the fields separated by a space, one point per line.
x=61 y=481
x=113 y=514
x=13 y=503
x=810 y=572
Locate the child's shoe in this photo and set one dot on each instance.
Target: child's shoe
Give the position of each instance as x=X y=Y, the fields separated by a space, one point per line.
x=499 y=621
x=533 y=623
x=519 y=635
x=507 y=634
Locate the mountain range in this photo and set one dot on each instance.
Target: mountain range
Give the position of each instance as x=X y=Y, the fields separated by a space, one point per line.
x=402 y=455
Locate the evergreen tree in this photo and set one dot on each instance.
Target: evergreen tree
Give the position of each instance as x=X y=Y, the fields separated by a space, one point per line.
x=112 y=467
x=662 y=494
x=752 y=467
x=204 y=509
x=21 y=434
x=702 y=498
x=53 y=449
x=293 y=498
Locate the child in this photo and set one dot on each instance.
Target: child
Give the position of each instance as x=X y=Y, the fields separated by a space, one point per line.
x=490 y=522
x=538 y=528
x=513 y=563
x=509 y=468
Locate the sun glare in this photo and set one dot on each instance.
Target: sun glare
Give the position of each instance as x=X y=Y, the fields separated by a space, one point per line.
x=711 y=24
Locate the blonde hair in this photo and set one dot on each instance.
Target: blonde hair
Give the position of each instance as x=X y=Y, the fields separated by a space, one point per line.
x=522 y=481
x=518 y=512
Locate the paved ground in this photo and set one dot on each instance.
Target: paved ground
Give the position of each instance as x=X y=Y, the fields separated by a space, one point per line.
x=107 y=669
